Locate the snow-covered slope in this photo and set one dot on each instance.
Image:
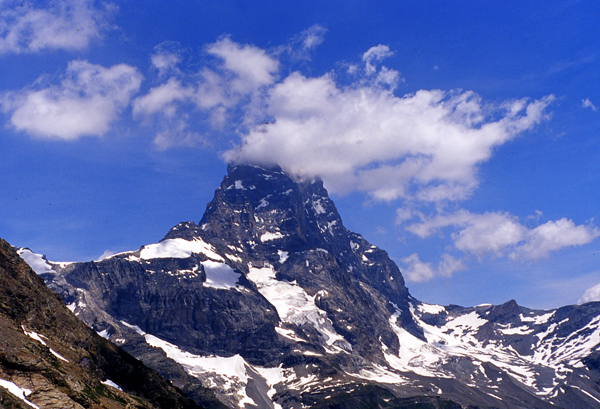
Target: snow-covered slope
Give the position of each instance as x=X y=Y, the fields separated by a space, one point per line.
x=272 y=302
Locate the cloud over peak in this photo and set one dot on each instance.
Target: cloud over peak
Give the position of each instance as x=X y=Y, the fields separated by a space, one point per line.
x=424 y=146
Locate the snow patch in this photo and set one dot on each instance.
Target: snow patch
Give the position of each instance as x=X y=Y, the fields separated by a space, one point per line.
x=431 y=308
x=523 y=330
x=104 y=334
x=269 y=236
x=263 y=202
x=37 y=262
x=295 y=306
x=538 y=320
x=17 y=391
x=283 y=256
x=179 y=248
x=318 y=207
x=137 y=329
x=108 y=382
x=232 y=373
x=219 y=275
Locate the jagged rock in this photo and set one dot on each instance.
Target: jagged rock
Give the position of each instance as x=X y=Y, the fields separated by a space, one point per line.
x=271 y=302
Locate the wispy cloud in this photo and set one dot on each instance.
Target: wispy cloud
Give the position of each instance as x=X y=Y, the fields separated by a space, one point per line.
x=87 y=101
x=217 y=90
x=419 y=271
x=591 y=294
x=66 y=24
x=503 y=235
x=302 y=46
x=586 y=103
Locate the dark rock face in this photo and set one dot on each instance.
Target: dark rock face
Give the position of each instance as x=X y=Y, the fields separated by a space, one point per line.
x=178 y=308
x=46 y=350
x=271 y=302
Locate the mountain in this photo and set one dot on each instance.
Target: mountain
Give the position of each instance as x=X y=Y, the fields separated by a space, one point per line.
x=272 y=303
x=50 y=359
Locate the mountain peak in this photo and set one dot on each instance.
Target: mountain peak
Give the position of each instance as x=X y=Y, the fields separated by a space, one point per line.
x=258 y=206
x=271 y=283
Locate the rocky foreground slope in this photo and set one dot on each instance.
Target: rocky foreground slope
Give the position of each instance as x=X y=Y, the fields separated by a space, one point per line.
x=50 y=359
x=271 y=302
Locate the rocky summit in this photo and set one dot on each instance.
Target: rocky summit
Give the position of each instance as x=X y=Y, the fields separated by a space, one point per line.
x=270 y=302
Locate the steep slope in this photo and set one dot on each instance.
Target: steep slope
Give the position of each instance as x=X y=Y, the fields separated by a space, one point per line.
x=272 y=302
x=50 y=359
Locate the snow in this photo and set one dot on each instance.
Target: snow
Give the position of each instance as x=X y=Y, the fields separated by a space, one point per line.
x=587 y=393
x=231 y=371
x=318 y=207
x=219 y=275
x=295 y=306
x=133 y=327
x=268 y=236
x=289 y=334
x=34 y=335
x=263 y=202
x=458 y=338
x=17 y=391
x=232 y=367
x=431 y=308
x=179 y=248
x=104 y=333
x=37 y=262
x=538 y=320
x=108 y=382
x=553 y=351
x=354 y=246
x=283 y=256
x=378 y=373
x=238 y=184
x=523 y=330
x=229 y=374
x=233 y=257
x=56 y=354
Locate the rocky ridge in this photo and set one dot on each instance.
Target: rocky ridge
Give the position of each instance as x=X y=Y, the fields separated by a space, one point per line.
x=271 y=302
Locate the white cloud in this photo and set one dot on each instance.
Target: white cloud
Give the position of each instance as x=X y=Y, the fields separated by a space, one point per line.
x=179 y=134
x=591 y=294
x=231 y=82
x=586 y=103
x=162 y=99
x=502 y=235
x=250 y=66
x=419 y=271
x=312 y=37
x=86 y=102
x=424 y=146
x=166 y=58
x=300 y=47
x=65 y=24
x=375 y=55
x=553 y=236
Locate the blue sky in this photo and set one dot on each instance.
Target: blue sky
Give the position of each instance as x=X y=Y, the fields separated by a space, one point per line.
x=461 y=137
